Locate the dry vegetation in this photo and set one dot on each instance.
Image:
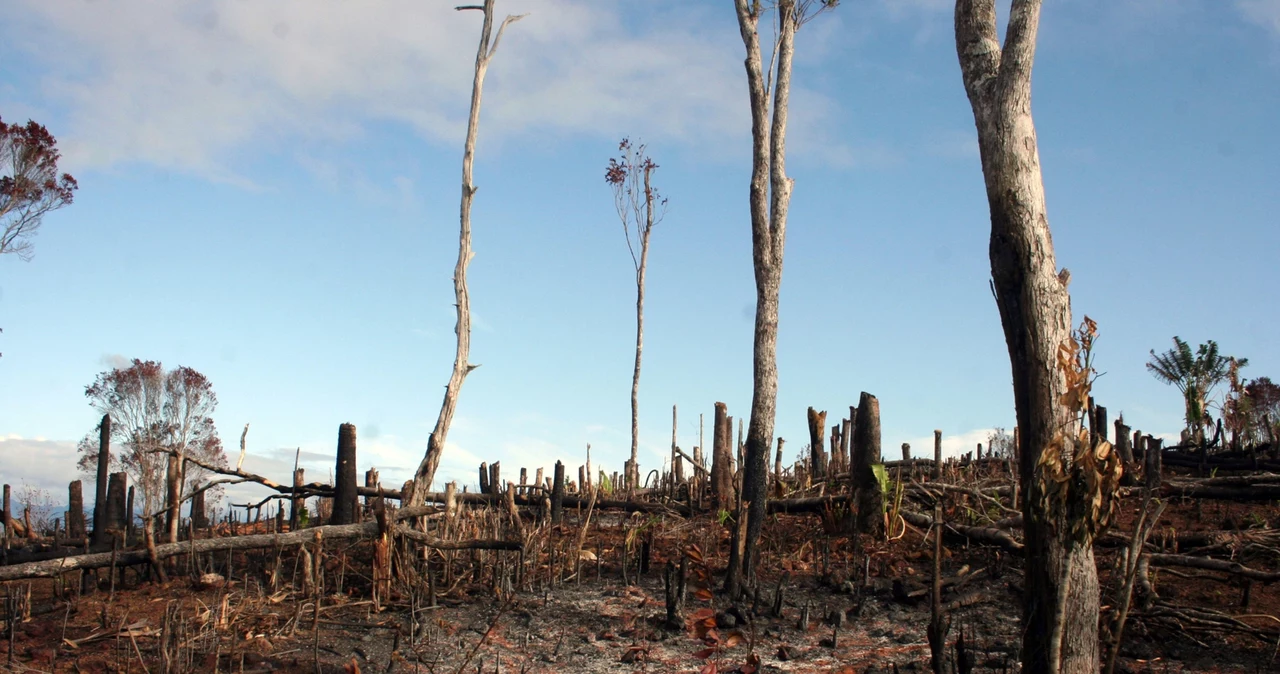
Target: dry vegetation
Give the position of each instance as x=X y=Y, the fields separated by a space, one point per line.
x=1202 y=595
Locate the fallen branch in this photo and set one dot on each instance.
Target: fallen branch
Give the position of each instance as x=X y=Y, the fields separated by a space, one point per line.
x=53 y=568
x=1188 y=561
x=987 y=535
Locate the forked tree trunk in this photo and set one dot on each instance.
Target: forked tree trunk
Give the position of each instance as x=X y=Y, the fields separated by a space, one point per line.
x=1060 y=605
x=770 y=197
x=426 y=472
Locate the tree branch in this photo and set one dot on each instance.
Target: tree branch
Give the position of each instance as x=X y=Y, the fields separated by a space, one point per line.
x=978 y=46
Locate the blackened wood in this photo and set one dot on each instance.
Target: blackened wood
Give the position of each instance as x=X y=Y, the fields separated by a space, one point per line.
x=557 y=494
x=1153 y=462
x=117 y=496
x=1124 y=443
x=906 y=451
x=937 y=454
x=495 y=478
x=722 y=487
x=199 y=514
x=296 y=502
x=848 y=428
x=484 y=477
x=8 y=518
x=345 y=499
x=777 y=470
x=866 y=453
x=75 y=511
x=100 y=485
x=127 y=527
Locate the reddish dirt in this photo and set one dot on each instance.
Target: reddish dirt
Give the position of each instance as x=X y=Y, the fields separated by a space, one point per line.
x=598 y=624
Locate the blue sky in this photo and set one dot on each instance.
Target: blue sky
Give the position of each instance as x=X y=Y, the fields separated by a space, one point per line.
x=269 y=194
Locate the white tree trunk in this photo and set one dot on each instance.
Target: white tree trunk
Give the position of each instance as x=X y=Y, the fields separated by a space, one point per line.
x=425 y=474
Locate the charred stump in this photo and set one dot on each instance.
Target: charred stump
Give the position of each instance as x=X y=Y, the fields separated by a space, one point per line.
x=345 y=499
x=100 y=485
x=866 y=454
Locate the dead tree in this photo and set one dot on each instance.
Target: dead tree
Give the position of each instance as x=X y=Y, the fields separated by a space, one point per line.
x=635 y=198
x=100 y=484
x=119 y=513
x=75 y=511
x=346 y=501
x=426 y=471
x=722 y=486
x=770 y=197
x=817 y=459
x=866 y=454
x=1060 y=599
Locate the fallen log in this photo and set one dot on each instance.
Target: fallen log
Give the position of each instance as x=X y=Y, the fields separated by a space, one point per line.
x=961 y=533
x=52 y=568
x=1208 y=563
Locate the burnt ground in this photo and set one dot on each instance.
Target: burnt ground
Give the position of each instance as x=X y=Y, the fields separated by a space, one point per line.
x=598 y=623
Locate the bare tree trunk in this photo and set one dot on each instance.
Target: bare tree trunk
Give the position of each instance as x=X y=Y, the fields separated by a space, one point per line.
x=173 y=497
x=435 y=444
x=633 y=476
x=770 y=196
x=1060 y=606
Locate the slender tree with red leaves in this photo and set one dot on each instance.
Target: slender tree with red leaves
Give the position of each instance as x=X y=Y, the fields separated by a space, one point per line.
x=636 y=199
x=30 y=185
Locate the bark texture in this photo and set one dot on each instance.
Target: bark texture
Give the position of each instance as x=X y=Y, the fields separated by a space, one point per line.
x=770 y=197
x=426 y=472
x=866 y=454
x=1060 y=609
x=817 y=462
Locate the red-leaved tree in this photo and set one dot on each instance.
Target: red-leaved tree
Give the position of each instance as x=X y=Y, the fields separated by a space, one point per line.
x=155 y=412
x=30 y=185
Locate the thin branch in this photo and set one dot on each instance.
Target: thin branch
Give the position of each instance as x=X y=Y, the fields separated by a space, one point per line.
x=511 y=18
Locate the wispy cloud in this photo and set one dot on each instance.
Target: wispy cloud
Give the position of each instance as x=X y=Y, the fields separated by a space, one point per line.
x=194 y=86
x=1265 y=13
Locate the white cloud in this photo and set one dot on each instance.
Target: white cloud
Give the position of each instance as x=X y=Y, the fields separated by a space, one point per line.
x=45 y=464
x=1265 y=13
x=193 y=86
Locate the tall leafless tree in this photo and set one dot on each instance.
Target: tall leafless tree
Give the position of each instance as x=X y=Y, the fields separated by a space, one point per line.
x=461 y=368
x=636 y=199
x=770 y=197
x=1060 y=605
